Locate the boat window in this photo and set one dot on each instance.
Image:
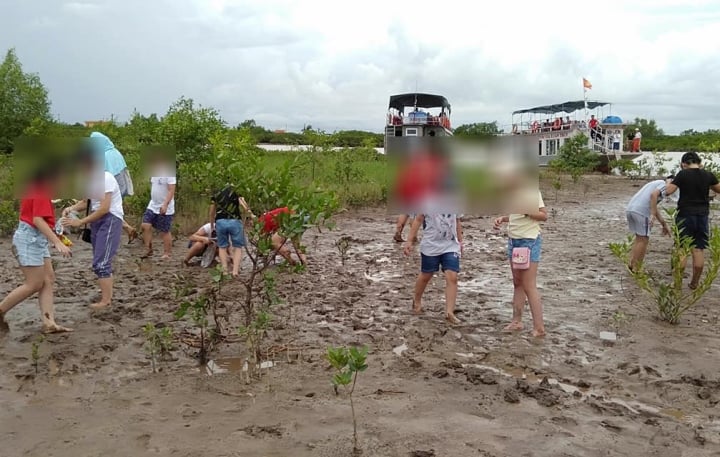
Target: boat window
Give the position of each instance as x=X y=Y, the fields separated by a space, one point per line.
x=411 y=132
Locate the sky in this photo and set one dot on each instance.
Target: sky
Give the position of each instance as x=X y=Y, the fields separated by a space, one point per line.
x=333 y=64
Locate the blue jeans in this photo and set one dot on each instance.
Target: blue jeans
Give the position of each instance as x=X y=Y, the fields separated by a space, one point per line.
x=229 y=232
x=535 y=246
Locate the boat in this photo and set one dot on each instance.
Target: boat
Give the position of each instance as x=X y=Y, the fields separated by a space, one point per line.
x=415 y=115
x=552 y=126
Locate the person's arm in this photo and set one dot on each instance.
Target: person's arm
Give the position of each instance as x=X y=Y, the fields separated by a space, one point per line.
x=42 y=225
x=102 y=210
x=499 y=221
x=655 y=212
x=671 y=188
x=715 y=188
x=244 y=205
x=77 y=207
x=414 y=229
x=168 y=198
x=458 y=222
x=540 y=215
x=200 y=236
x=211 y=215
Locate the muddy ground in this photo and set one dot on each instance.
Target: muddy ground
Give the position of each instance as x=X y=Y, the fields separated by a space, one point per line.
x=472 y=390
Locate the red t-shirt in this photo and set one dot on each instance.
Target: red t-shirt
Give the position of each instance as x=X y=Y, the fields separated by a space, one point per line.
x=37 y=204
x=269 y=219
x=593 y=123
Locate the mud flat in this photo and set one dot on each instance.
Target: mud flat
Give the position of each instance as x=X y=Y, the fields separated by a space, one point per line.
x=431 y=390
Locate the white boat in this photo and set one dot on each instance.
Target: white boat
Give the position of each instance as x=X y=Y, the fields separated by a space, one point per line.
x=417 y=115
x=552 y=126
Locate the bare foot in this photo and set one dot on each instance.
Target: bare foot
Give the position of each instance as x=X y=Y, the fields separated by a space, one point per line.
x=99 y=305
x=235 y=274
x=452 y=320
x=692 y=286
x=417 y=307
x=398 y=237
x=166 y=257
x=55 y=328
x=148 y=254
x=132 y=235
x=514 y=327
x=538 y=333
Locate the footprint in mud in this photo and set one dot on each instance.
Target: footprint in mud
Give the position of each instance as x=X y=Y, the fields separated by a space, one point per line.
x=263 y=431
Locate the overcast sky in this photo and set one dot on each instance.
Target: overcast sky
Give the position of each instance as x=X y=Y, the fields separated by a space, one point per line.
x=334 y=63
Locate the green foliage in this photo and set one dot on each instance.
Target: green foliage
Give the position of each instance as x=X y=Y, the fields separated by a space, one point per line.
x=347 y=364
x=343 y=246
x=158 y=342
x=23 y=101
x=670 y=296
x=35 y=352
x=626 y=167
x=189 y=129
x=575 y=158
x=478 y=130
x=198 y=309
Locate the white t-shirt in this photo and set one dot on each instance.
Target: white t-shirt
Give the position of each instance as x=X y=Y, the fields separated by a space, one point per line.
x=439 y=234
x=159 y=190
x=206 y=229
x=640 y=202
x=97 y=194
x=638 y=135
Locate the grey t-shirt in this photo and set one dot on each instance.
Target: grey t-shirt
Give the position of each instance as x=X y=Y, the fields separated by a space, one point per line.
x=439 y=234
x=640 y=202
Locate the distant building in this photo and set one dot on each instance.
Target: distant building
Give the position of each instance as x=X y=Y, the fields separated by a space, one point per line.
x=279 y=131
x=93 y=124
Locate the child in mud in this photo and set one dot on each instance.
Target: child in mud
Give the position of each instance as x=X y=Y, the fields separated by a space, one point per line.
x=226 y=220
x=440 y=248
x=524 y=231
x=30 y=244
x=641 y=211
x=693 y=208
x=161 y=209
x=270 y=228
x=199 y=242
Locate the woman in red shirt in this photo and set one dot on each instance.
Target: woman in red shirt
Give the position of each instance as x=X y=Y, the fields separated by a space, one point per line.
x=270 y=225
x=30 y=245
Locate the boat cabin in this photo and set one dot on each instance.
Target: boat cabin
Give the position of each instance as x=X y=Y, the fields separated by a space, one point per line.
x=553 y=125
x=417 y=115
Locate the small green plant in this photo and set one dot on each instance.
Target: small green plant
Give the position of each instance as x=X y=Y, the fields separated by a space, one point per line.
x=348 y=364
x=158 y=342
x=343 y=246
x=670 y=295
x=35 y=352
x=619 y=319
x=557 y=185
x=575 y=158
x=553 y=213
x=197 y=308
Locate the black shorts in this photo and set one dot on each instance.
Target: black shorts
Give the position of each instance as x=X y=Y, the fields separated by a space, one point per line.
x=695 y=226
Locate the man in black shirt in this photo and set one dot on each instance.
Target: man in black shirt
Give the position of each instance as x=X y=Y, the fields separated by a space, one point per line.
x=226 y=220
x=693 y=208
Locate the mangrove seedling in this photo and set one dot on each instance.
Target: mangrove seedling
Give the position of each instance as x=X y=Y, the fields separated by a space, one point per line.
x=348 y=363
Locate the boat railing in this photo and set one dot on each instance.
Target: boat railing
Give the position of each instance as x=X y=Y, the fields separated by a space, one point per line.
x=440 y=121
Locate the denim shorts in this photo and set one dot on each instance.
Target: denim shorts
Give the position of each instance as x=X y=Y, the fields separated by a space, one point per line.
x=160 y=222
x=447 y=261
x=30 y=245
x=535 y=246
x=229 y=232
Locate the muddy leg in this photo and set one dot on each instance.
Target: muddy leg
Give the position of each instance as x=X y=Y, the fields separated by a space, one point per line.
x=529 y=282
x=637 y=253
x=34 y=280
x=47 y=302
x=422 y=281
x=519 y=299
x=698 y=257
x=451 y=288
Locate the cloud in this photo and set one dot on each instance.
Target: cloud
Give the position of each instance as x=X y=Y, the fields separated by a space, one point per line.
x=334 y=64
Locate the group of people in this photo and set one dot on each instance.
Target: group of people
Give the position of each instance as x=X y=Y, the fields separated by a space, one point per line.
x=694 y=184
x=100 y=216
x=441 y=248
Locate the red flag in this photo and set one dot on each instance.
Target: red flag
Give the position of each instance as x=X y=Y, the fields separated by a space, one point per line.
x=586 y=84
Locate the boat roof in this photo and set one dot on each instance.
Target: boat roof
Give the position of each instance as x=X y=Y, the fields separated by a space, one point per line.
x=567 y=107
x=420 y=100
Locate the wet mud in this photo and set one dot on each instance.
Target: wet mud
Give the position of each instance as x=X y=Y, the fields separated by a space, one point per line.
x=430 y=389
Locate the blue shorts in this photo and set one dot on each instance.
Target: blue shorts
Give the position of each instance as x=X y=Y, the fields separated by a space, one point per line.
x=31 y=247
x=696 y=227
x=160 y=222
x=432 y=263
x=535 y=246
x=229 y=232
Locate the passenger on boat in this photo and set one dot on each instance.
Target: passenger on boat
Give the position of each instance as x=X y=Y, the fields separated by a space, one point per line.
x=567 y=123
x=444 y=120
x=636 y=141
x=616 y=139
x=546 y=125
x=557 y=124
x=593 y=124
x=535 y=127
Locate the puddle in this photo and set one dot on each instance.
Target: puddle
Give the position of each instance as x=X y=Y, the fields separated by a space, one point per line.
x=381 y=276
x=233 y=365
x=400 y=349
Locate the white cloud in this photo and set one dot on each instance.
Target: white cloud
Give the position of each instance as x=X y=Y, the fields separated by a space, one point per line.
x=334 y=64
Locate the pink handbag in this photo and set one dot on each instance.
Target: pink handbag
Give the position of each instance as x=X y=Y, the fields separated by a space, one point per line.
x=521 y=258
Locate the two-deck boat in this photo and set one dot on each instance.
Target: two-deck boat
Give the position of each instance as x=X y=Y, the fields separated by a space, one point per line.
x=552 y=126
x=417 y=115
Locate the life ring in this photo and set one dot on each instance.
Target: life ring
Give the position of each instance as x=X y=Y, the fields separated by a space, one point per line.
x=535 y=127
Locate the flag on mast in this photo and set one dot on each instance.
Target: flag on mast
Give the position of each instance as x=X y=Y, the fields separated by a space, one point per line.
x=586 y=84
